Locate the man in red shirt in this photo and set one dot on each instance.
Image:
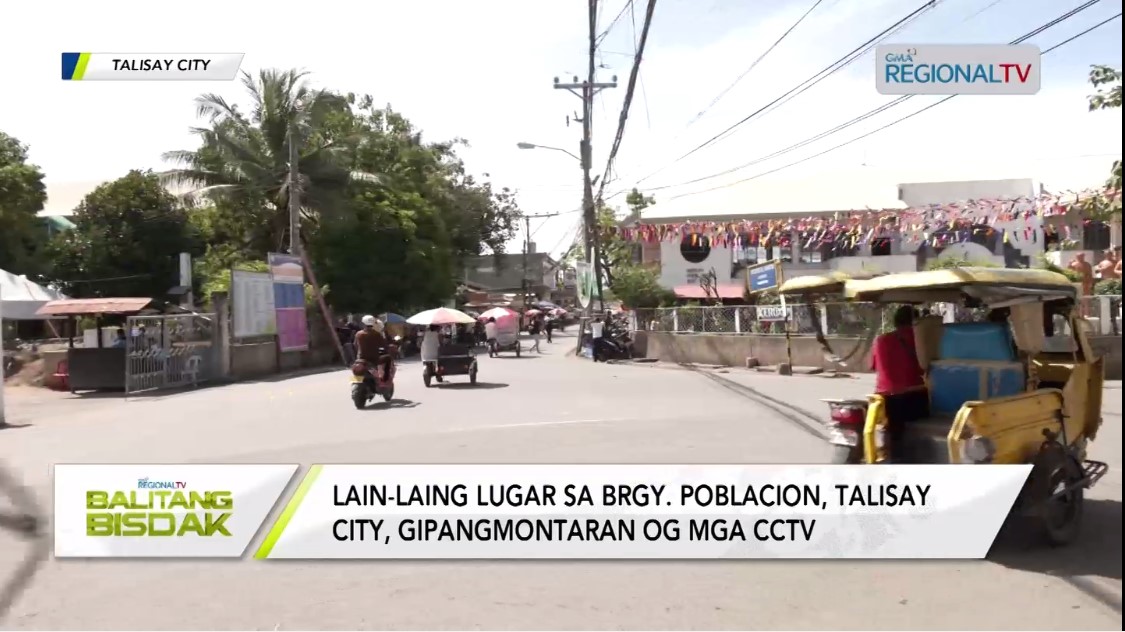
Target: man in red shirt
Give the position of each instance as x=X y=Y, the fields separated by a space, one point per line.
x=894 y=357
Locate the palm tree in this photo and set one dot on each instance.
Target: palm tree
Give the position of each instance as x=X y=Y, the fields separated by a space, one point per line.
x=248 y=155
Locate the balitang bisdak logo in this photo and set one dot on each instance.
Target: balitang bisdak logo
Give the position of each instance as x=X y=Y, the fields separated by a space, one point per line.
x=159 y=508
x=163 y=510
x=957 y=69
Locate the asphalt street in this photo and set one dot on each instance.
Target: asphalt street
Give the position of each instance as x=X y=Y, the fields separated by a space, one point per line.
x=549 y=409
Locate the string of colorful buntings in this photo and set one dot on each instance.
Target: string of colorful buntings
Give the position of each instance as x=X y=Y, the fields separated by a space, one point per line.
x=1016 y=220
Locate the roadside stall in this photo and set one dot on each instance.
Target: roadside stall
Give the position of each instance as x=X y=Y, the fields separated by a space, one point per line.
x=100 y=366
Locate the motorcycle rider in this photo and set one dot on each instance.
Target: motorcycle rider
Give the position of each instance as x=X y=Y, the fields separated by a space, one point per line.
x=371 y=344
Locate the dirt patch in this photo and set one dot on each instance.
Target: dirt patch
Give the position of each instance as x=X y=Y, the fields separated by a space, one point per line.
x=26 y=372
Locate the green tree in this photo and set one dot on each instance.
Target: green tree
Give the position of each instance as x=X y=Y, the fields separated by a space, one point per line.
x=638 y=287
x=126 y=242
x=22 y=194
x=245 y=157
x=389 y=241
x=1107 y=96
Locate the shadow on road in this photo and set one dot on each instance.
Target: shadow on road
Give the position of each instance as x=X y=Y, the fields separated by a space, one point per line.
x=18 y=426
x=465 y=386
x=394 y=403
x=1097 y=552
x=525 y=356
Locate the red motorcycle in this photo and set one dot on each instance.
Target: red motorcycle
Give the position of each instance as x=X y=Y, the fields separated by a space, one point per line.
x=371 y=379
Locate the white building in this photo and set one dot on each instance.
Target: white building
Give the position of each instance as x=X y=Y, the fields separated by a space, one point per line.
x=683 y=257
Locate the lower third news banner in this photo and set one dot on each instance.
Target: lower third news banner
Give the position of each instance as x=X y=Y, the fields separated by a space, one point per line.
x=534 y=511
x=644 y=512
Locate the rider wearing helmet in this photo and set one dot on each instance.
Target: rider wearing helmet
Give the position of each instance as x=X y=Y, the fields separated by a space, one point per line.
x=371 y=344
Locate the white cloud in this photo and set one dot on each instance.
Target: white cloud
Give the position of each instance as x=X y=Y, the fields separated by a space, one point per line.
x=483 y=70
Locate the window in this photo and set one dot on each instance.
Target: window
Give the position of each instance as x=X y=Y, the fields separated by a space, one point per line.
x=695 y=248
x=881 y=247
x=747 y=252
x=1095 y=236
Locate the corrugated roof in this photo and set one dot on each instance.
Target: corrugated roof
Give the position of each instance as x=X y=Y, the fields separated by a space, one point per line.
x=81 y=306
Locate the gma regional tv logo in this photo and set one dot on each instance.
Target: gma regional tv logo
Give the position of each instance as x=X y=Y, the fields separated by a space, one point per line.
x=946 y=69
x=159 y=508
x=163 y=510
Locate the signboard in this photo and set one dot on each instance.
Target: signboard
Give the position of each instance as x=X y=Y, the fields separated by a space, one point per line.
x=766 y=276
x=288 y=276
x=587 y=286
x=252 y=304
x=771 y=313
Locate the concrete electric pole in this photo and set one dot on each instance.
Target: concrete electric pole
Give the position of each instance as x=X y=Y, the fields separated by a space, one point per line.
x=586 y=90
x=294 y=187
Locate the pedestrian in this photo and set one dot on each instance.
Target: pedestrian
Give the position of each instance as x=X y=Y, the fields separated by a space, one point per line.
x=533 y=329
x=1110 y=266
x=597 y=329
x=549 y=327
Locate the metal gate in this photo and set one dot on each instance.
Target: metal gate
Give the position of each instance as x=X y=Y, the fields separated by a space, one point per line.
x=170 y=351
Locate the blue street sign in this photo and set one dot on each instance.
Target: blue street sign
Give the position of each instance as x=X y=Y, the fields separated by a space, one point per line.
x=763 y=277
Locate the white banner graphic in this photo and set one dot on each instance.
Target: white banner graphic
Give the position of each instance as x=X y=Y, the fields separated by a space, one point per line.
x=163 y=510
x=151 y=66
x=645 y=512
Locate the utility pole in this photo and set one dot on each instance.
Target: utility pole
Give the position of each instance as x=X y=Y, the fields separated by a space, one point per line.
x=294 y=186
x=586 y=90
x=527 y=249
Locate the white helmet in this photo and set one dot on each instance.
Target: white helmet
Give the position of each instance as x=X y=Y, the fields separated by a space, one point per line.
x=369 y=320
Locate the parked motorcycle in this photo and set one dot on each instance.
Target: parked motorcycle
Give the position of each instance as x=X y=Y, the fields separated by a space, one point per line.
x=372 y=379
x=615 y=344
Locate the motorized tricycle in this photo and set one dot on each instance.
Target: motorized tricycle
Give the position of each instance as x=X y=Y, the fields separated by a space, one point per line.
x=374 y=378
x=453 y=359
x=1025 y=387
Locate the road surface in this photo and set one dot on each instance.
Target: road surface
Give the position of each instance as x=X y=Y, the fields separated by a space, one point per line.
x=551 y=409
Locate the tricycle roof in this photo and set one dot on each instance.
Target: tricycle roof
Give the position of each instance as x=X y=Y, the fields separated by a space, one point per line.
x=989 y=285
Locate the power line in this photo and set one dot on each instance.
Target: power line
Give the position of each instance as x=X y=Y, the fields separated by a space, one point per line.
x=614 y=21
x=871 y=113
x=828 y=71
x=628 y=102
x=754 y=65
x=896 y=121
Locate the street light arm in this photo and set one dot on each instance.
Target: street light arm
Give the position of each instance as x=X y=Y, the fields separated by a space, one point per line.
x=534 y=146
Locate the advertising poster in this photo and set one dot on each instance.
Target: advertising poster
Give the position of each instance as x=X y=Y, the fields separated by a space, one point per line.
x=288 y=277
x=586 y=284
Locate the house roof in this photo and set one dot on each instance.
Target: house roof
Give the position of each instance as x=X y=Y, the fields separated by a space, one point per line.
x=83 y=306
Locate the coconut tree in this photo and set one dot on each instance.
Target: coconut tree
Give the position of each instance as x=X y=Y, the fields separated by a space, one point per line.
x=246 y=156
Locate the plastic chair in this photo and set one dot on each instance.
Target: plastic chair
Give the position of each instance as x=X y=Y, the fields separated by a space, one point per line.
x=62 y=376
x=191 y=367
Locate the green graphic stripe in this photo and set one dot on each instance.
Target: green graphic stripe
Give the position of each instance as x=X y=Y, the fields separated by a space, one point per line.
x=287 y=514
x=80 y=69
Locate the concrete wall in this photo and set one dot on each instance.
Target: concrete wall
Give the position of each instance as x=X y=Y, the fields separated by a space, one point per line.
x=251 y=360
x=733 y=349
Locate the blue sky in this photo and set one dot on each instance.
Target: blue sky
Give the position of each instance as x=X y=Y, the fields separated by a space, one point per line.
x=483 y=71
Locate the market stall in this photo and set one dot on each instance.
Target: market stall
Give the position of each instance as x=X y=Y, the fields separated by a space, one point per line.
x=102 y=366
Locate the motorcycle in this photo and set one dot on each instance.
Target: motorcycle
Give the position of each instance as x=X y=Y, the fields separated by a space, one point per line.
x=372 y=379
x=615 y=343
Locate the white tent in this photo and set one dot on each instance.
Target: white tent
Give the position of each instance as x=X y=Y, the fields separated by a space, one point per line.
x=22 y=298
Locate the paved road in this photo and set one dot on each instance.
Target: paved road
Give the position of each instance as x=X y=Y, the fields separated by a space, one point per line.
x=551 y=409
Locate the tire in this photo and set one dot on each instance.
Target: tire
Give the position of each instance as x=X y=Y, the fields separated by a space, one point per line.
x=359 y=396
x=844 y=455
x=439 y=378
x=1060 y=519
x=427 y=375
x=517 y=351
x=389 y=394
x=473 y=375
